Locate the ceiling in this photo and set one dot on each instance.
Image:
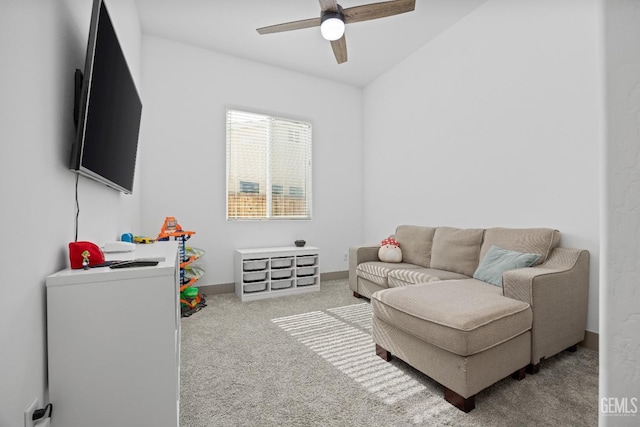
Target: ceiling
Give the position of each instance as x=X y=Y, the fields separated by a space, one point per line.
x=229 y=26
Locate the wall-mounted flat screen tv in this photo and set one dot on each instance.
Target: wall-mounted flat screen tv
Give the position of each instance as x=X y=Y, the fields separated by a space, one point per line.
x=109 y=109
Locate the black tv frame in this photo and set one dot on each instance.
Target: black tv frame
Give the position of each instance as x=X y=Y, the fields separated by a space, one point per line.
x=83 y=85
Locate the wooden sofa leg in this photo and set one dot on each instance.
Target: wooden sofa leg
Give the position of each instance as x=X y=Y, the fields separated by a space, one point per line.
x=383 y=353
x=357 y=295
x=573 y=348
x=464 y=404
x=519 y=374
x=533 y=369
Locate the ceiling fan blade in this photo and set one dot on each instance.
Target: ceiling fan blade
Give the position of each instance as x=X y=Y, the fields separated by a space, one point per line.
x=340 y=49
x=328 y=5
x=377 y=10
x=289 y=26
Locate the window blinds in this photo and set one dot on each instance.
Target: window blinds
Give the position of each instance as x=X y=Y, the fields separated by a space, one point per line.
x=268 y=167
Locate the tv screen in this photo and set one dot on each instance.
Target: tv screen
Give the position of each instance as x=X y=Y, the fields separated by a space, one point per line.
x=109 y=109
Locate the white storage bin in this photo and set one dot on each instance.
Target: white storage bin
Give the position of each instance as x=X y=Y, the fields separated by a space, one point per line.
x=306 y=271
x=281 y=274
x=281 y=284
x=281 y=262
x=303 y=261
x=307 y=281
x=254 y=287
x=256 y=276
x=254 y=264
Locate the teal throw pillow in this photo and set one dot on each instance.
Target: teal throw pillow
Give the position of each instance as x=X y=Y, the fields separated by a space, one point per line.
x=498 y=260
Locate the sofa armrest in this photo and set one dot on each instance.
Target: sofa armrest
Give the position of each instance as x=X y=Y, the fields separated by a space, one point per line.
x=358 y=255
x=557 y=291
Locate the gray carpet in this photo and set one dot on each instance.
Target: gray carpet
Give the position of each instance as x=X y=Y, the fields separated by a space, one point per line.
x=306 y=360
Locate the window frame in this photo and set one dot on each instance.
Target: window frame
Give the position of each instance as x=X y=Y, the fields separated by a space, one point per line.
x=307 y=189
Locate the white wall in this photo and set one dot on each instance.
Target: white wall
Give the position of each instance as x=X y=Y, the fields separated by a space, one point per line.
x=187 y=91
x=41 y=43
x=495 y=123
x=620 y=317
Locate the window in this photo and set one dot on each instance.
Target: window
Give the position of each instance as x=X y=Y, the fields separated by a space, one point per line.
x=267 y=153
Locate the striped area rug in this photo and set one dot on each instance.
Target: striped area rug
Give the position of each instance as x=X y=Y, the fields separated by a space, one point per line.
x=342 y=336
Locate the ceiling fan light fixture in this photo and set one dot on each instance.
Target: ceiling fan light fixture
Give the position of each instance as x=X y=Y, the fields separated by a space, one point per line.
x=332 y=26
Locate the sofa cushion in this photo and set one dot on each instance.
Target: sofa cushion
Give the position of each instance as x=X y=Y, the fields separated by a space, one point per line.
x=464 y=317
x=409 y=277
x=415 y=242
x=498 y=260
x=530 y=240
x=456 y=249
x=378 y=271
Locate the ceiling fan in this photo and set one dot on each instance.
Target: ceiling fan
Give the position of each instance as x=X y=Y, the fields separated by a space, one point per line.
x=333 y=18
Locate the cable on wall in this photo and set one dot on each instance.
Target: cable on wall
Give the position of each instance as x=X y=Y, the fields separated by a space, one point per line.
x=77 y=207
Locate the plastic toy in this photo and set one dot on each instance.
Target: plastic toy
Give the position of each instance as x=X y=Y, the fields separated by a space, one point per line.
x=190 y=300
x=171 y=228
x=85 y=259
x=143 y=240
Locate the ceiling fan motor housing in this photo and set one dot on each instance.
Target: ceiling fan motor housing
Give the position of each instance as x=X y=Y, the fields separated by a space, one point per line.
x=332 y=24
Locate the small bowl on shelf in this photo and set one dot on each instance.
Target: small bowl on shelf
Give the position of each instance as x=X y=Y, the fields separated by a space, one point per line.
x=300 y=243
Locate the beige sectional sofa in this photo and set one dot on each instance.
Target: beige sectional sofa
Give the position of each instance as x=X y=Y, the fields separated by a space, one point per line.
x=466 y=333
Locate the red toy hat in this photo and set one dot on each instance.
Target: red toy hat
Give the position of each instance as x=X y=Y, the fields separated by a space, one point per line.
x=390 y=241
x=76 y=258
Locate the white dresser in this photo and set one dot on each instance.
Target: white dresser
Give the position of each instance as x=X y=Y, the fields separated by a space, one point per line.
x=114 y=343
x=272 y=272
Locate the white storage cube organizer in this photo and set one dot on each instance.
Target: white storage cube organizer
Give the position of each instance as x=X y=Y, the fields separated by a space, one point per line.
x=272 y=272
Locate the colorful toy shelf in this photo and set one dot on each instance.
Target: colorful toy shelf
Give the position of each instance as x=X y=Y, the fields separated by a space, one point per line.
x=190 y=299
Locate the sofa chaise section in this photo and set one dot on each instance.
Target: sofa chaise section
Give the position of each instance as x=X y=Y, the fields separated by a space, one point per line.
x=464 y=336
